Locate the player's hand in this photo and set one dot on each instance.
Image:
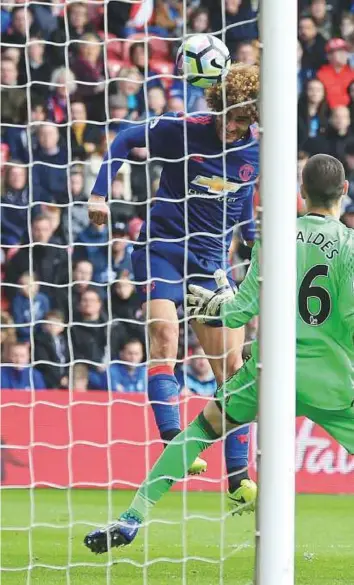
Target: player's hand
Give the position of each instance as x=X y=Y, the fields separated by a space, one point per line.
x=202 y=304
x=98 y=210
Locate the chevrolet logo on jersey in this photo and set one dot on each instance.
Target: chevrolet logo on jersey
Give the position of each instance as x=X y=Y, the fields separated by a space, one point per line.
x=216 y=185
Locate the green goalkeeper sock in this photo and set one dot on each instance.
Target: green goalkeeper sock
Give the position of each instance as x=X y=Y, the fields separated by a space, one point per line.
x=172 y=465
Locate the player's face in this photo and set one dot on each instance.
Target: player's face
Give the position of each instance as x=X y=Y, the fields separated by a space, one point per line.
x=236 y=127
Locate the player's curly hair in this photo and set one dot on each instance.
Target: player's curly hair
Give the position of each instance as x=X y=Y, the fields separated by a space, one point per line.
x=241 y=85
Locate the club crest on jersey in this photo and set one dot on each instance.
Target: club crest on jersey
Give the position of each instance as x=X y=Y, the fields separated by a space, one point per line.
x=246 y=172
x=216 y=185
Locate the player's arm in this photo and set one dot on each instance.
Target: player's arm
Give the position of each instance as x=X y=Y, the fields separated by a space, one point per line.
x=118 y=152
x=245 y=304
x=161 y=138
x=248 y=225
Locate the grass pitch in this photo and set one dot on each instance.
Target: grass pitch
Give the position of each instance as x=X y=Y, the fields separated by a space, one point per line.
x=174 y=553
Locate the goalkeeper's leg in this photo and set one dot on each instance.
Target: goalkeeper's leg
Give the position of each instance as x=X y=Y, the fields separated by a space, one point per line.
x=224 y=349
x=237 y=398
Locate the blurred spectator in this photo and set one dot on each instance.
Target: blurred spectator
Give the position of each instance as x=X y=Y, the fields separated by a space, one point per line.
x=78 y=25
x=348 y=216
x=322 y=17
x=7 y=336
x=130 y=376
x=129 y=85
x=14 y=204
x=196 y=375
x=336 y=76
x=50 y=164
x=5 y=16
x=80 y=377
x=63 y=85
x=339 y=132
x=118 y=112
x=39 y=68
x=49 y=262
x=247 y=53
x=54 y=214
x=126 y=307
x=134 y=227
x=313 y=111
x=137 y=55
x=17 y=136
x=82 y=280
x=28 y=306
x=121 y=249
x=156 y=102
x=12 y=97
x=351 y=101
x=19 y=375
x=85 y=137
x=313 y=47
x=118 y=14
x=336 y=138
x=349 y=167
x=88 y=69
x=88 y=331
x=198 y=21
x=51 y=348
x=169 y=17
x=121 y=208
x=347 y=26
x=77 y=210
x=12 y=53
x=92 y=245
x=240 y=21
x=21 y=27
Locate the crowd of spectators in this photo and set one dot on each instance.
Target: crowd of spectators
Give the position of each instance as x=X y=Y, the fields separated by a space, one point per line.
x=72 y=77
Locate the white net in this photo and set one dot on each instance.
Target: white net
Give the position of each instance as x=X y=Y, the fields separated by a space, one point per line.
x=77 y=432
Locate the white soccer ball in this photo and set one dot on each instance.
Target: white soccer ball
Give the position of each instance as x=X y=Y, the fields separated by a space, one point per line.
x=203 y=60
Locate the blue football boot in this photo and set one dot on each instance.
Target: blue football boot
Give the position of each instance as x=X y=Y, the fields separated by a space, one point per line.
x=119 y=533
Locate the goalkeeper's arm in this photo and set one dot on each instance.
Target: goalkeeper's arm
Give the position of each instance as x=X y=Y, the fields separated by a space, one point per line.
x=245 y=303
x=235 y=309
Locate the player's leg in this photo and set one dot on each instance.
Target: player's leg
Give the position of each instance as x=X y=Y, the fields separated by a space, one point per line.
x=224 y=350
x=338 y=423
x=159 y=306
x=237 y=400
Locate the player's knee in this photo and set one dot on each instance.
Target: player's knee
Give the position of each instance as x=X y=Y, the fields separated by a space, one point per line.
x=213 y=416
x=163 y=339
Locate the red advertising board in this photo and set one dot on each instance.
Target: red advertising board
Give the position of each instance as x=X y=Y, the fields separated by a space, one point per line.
x=87 y=440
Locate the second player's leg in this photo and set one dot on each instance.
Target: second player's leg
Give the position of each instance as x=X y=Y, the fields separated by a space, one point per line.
x=223 y=348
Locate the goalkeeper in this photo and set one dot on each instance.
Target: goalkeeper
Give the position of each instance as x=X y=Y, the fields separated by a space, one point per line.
x=210 y=164
x=324 y=347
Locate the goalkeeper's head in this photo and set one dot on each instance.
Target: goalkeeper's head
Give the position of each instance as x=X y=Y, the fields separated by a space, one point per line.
x=235 y=99
x=323 y=184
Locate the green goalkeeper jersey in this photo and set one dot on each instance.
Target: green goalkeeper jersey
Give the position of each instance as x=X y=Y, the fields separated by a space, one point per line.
x=325 y=311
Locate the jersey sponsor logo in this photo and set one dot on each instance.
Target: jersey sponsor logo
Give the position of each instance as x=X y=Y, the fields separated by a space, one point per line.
x=216 y=185
x=246 y=172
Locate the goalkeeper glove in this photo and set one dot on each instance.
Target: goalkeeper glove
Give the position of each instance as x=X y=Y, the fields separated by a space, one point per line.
x=203 y=304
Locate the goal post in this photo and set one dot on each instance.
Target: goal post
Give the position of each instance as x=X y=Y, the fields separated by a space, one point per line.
x=276 y=434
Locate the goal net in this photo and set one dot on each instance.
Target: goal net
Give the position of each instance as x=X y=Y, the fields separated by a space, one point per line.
x=77 y=431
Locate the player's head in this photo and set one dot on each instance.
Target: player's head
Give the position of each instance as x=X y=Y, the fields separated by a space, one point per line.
x=238 y=100
x=323 y=183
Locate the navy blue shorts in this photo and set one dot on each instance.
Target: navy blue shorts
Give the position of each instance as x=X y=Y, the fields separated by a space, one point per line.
x=169 y=273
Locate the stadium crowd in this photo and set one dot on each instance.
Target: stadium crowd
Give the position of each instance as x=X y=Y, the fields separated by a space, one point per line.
x=72 y=77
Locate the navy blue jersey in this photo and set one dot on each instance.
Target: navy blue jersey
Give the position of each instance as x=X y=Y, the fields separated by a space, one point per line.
x=216 y=194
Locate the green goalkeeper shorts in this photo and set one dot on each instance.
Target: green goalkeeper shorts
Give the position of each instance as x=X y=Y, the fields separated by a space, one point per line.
x=238 y=399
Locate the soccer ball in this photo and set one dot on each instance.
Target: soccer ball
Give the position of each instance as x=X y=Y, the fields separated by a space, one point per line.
x=203 y=59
